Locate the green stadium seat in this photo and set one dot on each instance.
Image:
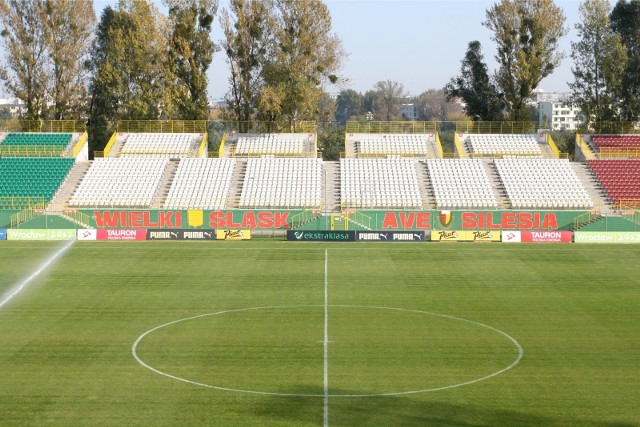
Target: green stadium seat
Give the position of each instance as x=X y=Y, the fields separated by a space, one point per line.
x=32 y=178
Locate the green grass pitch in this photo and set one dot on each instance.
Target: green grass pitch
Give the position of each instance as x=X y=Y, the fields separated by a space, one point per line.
x=418 y=335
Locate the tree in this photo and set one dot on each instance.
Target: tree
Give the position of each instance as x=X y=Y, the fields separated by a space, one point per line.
x=390 y=94
x=348 y=103
x=68 y=26
x=475 y=88
x=432 y=105
x=245 y=44
x=189 y=56
x=22 y=31
x=372 y=103
x=527 y=33
x=303 y=57
x=599 y=63
x=331 y=141
x=326 y=109
x=625 y=21
x=128 y=65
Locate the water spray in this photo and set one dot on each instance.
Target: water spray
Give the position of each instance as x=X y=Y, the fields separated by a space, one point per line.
x=42 y=267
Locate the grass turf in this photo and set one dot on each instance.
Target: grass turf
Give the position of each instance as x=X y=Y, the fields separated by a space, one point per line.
x=66 y=339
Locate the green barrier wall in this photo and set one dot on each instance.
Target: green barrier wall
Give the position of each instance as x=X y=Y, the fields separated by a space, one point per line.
x=315 y=220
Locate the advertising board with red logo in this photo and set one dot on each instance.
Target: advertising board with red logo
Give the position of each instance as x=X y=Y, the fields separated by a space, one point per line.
x=87 y=234
x=546 y=236
x=122 y=234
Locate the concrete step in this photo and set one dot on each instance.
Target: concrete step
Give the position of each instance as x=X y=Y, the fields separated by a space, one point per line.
x=165 y=184
x=331 y=186
x=237 y=182
x=70 y=184
x=594 y=189
x=424 y=182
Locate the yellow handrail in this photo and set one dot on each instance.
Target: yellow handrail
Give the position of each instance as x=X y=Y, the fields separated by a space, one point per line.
x=456 y=140
x=109 y=145
x=203 y=145
x=81 y=141
x=439 y=145
x=588 y=154
x=221 y=148
x=553 y=146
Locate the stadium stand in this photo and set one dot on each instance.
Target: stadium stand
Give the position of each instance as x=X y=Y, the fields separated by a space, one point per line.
x=461 y=183
x=293 y=144
x=619 y=178
x=415 y=145
x=201 y=184
x=542 y=184
x=120 y=182
x=622 y=146
x=375 y=183
x=489 y=145
x=282 y=182
x=32 y=177
x=616 y=140
x=175 y=145
x=34 y=143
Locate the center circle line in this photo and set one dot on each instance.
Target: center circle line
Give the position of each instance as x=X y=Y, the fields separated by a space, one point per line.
x=134 y=352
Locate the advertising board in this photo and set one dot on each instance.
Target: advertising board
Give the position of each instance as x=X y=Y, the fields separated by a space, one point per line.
x=390 y=236
x=320 y=236
x=606 y=237
x=3 y=234
x=511 y=236
x=87 y=234
x=165 y=234
x=546 y=236
x=233 y=234
x=465 y=236
x=121 y=234
x=41 y=234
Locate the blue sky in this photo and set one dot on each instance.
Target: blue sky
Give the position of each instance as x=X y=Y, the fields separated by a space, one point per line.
x=418 y=43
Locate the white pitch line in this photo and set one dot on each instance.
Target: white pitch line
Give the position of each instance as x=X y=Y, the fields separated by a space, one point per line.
x=326 y=338
x=20 y=287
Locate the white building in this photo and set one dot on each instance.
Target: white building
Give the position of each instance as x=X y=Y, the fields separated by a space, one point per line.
x=13 y=105
x=408 y=111
x=558 y=115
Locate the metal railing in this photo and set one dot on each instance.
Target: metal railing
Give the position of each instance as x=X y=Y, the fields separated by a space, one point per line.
x=27 y=214
x=20 y=202
x=613 y=128
x=300 y=126
x=31 y=150
x=496 y=127
x=43 y=125
x=161 y=126
x=390 y=127
x=618 y=152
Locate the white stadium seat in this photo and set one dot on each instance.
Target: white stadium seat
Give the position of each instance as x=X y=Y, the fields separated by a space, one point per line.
x=281 y=182
x=120 y=182
x=201 y=184
x=379 y=183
